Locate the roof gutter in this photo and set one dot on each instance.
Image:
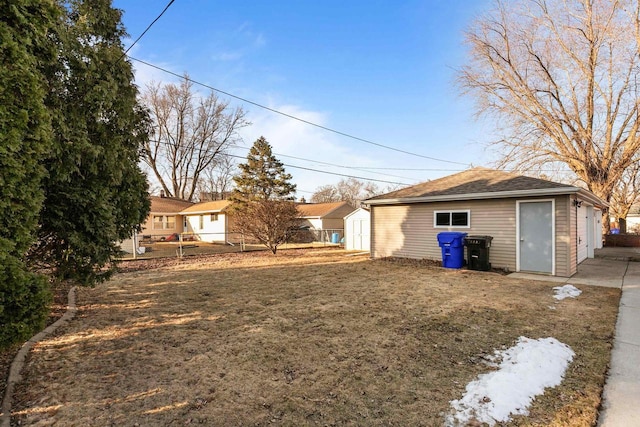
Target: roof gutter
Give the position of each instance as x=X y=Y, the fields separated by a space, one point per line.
x=586 y=195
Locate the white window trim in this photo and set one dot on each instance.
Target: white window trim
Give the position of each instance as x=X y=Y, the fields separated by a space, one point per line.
x=452 y=211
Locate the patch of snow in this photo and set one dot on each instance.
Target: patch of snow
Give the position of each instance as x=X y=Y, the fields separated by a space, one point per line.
x=525 y=371
x=566 y=291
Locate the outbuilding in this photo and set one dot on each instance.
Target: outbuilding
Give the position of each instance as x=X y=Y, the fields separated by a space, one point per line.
x=537 y=225
x=357 y=230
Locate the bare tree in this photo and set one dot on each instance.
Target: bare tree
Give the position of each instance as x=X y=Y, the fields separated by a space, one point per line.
x=626 y=195
x=217 y=180
x=190 y=133
x=346 y=190
x=562 y=77
x=326 y=194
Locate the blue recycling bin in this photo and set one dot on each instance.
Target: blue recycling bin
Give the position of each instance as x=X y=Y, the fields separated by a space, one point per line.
x=452 y=245
x=335 y=238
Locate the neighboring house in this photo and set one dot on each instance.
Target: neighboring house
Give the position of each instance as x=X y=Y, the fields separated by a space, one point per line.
x=537 y=225
x=165 y=217
x=208 y=221
x=325 y=216
x=633 y=223
x=357 y=226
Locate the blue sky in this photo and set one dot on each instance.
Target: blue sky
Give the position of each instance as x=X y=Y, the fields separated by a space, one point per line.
x=379 y=70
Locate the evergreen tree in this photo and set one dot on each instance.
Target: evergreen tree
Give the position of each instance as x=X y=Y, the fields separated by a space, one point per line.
x=25 y=139
x=263 y=176
x=262 y=201
x=95 y=194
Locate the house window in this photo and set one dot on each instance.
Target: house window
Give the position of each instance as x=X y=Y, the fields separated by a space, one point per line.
x=163 y=222
x=446 y=219
x=214 y=217
x=201 y=224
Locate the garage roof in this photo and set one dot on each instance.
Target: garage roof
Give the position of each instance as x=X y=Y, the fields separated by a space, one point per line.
x=481 y=183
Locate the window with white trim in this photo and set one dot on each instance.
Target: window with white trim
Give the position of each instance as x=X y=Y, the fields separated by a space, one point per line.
x=452 y=219
x=214 y=217
x=164 y=222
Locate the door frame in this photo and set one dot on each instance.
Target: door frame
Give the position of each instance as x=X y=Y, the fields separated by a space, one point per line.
x=553 y=231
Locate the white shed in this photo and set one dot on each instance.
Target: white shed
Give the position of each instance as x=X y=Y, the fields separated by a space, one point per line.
x=357 y=230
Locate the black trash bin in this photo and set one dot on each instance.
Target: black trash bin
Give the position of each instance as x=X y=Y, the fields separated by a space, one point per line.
x=478 y=252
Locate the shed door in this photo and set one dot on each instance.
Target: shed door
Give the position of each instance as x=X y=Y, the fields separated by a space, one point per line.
x=360 y=234
x=583 y=236
x=535 y=233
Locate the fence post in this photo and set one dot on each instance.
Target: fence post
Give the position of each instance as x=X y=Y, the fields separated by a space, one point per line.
x=135 y=245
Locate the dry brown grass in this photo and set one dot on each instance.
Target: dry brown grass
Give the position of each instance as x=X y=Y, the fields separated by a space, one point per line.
x=304 y=338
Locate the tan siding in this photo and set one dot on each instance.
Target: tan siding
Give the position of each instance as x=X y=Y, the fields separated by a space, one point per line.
x=573 y=232
x=408 y=231
x=333 y=224
x=563 y=237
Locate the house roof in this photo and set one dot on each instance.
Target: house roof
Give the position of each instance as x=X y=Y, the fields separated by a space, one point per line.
x=319 y=210
x=480 y=183
x=206 y=207
x=168 y=205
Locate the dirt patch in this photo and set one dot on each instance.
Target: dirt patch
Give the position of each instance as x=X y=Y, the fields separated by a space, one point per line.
x=305 y=338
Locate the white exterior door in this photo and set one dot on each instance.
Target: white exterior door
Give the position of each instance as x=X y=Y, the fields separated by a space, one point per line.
x=535 y=236
x=597 y=228
x=360 y=235
x=582 y=233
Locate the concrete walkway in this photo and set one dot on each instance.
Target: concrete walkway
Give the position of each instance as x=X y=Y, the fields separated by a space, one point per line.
x=616 y=267
x=621 y=399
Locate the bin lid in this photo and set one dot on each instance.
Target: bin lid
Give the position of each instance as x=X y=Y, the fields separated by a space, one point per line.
x=480 y=237
x=450 y=236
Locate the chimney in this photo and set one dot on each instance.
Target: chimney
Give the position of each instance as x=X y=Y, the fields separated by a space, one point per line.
x=162 y=194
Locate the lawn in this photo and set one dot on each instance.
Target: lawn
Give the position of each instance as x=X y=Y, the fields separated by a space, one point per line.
x=308 y=337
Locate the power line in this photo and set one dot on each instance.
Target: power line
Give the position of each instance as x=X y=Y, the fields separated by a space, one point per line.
x=332 y=173
x=145 y=31
x=294 y=117
x=308 y=169
x=364 y=169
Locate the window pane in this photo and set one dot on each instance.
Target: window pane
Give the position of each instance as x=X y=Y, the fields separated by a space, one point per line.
x=442 y=218
x=157 y=222
x=459 y=219
x=171 y=222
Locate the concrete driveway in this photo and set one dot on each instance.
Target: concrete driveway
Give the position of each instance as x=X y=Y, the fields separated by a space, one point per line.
x=618 y=268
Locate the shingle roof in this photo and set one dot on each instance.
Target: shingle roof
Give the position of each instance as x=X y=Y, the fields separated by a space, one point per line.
x=168 y=205
x=214 y=206
x=319 y=209
x=473 y=181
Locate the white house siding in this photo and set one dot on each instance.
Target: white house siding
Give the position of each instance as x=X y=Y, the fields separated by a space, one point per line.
x=211 y=231
x=408 y=231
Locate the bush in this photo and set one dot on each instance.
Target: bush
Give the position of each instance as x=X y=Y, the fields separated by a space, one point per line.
x=24 y=301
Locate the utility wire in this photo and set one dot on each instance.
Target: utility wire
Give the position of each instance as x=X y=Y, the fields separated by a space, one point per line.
x=145 y=31
x=294 y=117
x=331 y=173
x=308 y=169
x=359 y=168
